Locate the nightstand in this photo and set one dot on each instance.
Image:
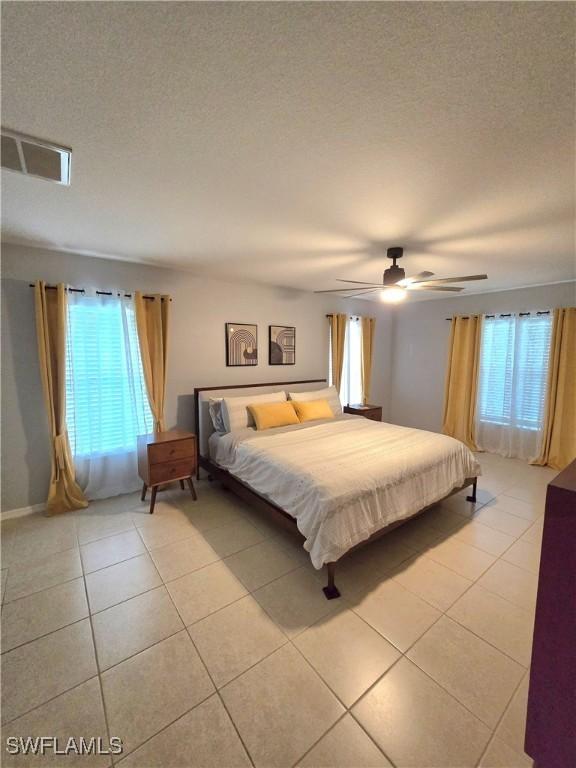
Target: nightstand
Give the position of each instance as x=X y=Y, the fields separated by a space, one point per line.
x=164 y=457
x=373 y=412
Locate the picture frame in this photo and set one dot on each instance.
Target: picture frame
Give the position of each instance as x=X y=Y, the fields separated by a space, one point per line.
x=241 y=345
x=281 y=345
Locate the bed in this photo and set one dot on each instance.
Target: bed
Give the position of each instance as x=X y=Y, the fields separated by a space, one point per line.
x=341 y=482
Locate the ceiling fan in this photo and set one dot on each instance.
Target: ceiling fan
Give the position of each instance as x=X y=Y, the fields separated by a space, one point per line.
x=395 y=284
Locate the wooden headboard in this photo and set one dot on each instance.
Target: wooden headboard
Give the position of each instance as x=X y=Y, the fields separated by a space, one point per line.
x=203 y=423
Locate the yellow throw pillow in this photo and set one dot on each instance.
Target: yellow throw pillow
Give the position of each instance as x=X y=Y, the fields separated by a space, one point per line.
x=271 y=415
x=312 y=410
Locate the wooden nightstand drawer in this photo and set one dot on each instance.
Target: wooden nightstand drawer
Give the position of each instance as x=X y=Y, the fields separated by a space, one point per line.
x=177 y=449
x=171 y=470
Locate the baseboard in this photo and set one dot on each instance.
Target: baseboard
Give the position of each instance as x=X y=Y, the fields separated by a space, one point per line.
x=8 y=514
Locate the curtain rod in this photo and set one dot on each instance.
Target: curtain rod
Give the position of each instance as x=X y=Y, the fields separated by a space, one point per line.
x=352 y=317
x=508 y=314
x=98 y=293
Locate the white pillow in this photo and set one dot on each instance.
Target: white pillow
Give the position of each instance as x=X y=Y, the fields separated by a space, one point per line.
x=328 y=393
x=235 y=409
x=215 y=411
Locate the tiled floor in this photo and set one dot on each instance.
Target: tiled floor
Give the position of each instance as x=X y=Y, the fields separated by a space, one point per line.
x=200 y=636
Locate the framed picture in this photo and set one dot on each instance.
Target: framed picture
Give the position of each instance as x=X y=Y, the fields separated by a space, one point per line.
x=241 y=344
x=282 y=345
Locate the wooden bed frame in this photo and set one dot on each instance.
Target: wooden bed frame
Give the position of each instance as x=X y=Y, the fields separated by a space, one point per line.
x=242 y=490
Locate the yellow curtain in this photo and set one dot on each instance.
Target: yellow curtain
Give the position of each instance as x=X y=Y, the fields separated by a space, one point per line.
x=368 y=324
x=152 y=323
x=337 y=337
x=559 y=438
x=462 y=379
x=64 y=493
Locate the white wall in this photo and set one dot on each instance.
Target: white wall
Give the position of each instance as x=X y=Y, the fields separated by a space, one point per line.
x=200 y=308
x=420 y=346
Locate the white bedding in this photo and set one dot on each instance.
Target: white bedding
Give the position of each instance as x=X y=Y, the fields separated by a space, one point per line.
x=343 y=479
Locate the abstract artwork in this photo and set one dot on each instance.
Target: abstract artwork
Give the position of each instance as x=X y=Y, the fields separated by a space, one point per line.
x=241 y=344
x=282 y=345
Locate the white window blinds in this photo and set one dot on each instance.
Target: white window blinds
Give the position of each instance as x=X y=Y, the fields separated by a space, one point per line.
x=106 y=402
x=512 y=386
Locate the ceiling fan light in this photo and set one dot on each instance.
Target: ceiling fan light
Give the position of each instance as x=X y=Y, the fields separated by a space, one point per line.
x=393 y=295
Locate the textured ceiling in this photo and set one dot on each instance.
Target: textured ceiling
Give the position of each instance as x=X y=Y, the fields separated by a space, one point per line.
x=291 y=143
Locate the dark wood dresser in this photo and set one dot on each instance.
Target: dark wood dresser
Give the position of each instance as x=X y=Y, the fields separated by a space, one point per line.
x=164 y=457
x=551 y=720
x=373 y=412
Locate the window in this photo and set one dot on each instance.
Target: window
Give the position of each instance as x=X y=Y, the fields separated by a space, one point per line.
x=107 y=406
x=351 y=386
x=512 y=384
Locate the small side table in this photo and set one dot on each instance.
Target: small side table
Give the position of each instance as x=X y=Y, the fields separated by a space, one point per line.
x=164 y=457
x=373 y=412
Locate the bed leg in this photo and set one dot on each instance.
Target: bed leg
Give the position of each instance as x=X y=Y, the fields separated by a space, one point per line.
x=331 y=590
x=472 y=496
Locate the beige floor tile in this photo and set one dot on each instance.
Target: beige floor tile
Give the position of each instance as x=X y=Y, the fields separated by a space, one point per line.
x=431 y=581
x=500 y=755
x=295 y=601
x=417 y=723
x=158 y=531
x=497 y=621
x=357 y=573
x=461 y=558
x=348 y=654
x=132 y=626
x=202 y=738
x=120 y=582
x=400 y=616
x=94 y=524
x=33 y=576
x=524 y=554
x=214 y=512
x=181 y=557
x=281 y=708
x=500 y=520
x=512 y=727
x=260 y=564
x=111 y=550
x=165 y=508
x=4 y=579
x=147 y=692
x=344 y=746
x=535 y=532
x=78 y=712
x=43 y=612
x=485 y=538
x=37 y=544
x=234 y=638
x=475 y=673
x=533 y=493
x=449 y=513
x=228 y=539
x=513 y=583
x=38 y=671
x=529 y=508
x=418 y=534
x=202 y=592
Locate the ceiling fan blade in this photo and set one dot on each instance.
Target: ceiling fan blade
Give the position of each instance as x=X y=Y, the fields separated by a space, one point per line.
x=357 y=282
x=345 y=290
x=414 y=278
x=370 y=290
x=454 y=279
x=426 y=287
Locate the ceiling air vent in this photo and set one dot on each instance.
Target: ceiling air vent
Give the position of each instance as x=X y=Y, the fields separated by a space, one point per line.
x=35 y=157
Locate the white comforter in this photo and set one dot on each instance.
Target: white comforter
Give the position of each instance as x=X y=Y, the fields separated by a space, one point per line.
x=343 y=479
